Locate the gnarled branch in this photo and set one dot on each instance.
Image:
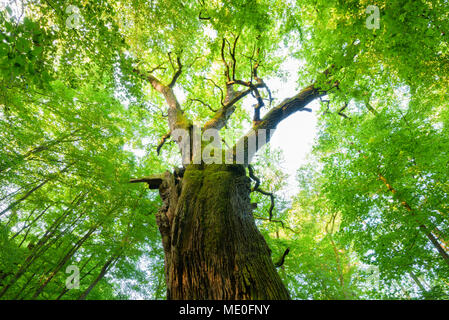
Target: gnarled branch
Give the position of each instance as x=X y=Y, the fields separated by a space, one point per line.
x=232 y=96
x=176 y=117
x=153 y=181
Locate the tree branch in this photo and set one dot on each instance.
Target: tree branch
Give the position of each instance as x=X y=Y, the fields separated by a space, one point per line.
x=203 y=103
x=153 y=181
x=219 y=88
x=282 y=259
x=232 y=53
x=176 y=117
x=177 y=73
x=340 y=112
x=285 y=109
x=223 y=44
x=221 y=117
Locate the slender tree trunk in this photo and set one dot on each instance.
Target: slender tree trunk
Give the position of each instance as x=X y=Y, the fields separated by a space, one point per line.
x=404 y=291
x=213 y=249
x=43 y=147
x=29 y=225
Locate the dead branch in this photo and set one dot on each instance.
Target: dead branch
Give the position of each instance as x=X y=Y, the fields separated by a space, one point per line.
x=153 y=181
x=177 y=73
x=282 y=259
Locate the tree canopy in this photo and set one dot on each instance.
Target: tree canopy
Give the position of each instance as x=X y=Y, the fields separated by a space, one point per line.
x=92 y=90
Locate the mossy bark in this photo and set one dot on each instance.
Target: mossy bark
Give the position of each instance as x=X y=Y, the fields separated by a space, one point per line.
x=213 y=249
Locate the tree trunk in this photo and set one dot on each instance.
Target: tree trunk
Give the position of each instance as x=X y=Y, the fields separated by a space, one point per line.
x=213 y=249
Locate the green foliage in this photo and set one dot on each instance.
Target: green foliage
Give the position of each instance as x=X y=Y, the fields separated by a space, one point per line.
x=385 y=175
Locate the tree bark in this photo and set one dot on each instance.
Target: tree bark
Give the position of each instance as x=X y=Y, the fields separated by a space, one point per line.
x=422 y=226
x=213 y=249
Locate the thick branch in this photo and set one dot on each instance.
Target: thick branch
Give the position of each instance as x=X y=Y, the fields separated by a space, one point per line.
x=289 y=107
x=163 y=140
x=176 y=118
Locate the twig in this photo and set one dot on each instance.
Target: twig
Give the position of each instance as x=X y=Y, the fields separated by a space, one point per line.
x=221 y=90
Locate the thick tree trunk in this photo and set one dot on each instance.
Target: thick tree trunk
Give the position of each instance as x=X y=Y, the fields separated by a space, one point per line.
x=213 y=249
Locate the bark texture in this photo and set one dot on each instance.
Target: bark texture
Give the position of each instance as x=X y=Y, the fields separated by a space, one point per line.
x=213 y=249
